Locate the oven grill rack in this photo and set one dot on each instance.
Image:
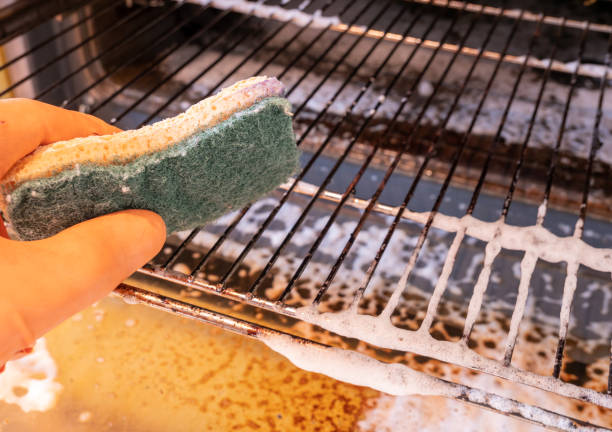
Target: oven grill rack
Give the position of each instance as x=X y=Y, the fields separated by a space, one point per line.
x=298 y=186
x=522 y=15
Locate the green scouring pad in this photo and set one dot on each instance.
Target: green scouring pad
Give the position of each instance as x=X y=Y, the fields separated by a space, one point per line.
x=188 y=182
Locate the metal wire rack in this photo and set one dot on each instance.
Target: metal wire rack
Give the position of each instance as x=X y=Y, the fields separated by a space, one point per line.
x=363 y=79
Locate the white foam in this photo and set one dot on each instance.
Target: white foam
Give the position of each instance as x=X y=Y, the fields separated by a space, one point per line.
x=379 y=331
x=536 y=240
x=393 y=378
x=349 y=366
x=422 y=413
x=316 y=20
x=425 y=88
x=34 y=376
x=527 y=267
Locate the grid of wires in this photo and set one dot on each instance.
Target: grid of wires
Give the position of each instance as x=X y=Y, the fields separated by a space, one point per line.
x=371 y=32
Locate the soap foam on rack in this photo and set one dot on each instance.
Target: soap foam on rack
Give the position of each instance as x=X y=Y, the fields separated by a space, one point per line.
x=394 y=379
x=540 y=242
x=314 y=20
x=348 y=366
x=379 y=331
x=30 y=381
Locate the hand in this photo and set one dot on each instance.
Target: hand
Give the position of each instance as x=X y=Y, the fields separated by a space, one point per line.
x=46 y=281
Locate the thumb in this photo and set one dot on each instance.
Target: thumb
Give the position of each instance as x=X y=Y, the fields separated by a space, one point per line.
x=83 y=263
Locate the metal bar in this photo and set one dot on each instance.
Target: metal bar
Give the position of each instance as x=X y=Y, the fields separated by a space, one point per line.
x=270 y=217
x=557 y=66
x=137 y=57
x=220 y=240
x=118 y=43
x=213 y=88
x=224 y=13
x=343 y=57
x=473 y=396
x=36 y=22
x=442 y=282
x=151 y=66
x=218 y=83
x=244 y=252
x=529 y=260
x=555 y=156
x=551 y=420
x=162 y=281
x=514 y=13
x=393 y=165
x=332 y=172
x=328 y=49
x=407 y=144
x=298 y=34
x=493 y=248
x=230 y=228
x=519 y=165
x=175 y=254
x=350 y=76
x=168 y=77
x=132 y=15
x=194 y=232
x=306 y=48
x=497 y=138
x=572 y=268
x=386 y=240
x=55 y=36
x=349 y=190
x=202 y=73
x=133 y=295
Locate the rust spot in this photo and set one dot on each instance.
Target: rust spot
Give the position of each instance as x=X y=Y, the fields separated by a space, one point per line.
x=250 y=423
x=298 y=419
x=349 y=409
x=490 y=344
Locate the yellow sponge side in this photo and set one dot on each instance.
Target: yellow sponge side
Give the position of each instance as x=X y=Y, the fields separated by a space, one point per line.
x=125 y=146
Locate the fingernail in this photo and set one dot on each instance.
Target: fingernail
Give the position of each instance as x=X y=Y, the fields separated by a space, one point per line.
x=27 y=350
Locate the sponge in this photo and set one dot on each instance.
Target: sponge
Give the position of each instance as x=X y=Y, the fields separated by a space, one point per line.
x=221 y=154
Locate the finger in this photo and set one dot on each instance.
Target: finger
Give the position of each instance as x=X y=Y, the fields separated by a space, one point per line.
x=25 y=124
x=84 y=263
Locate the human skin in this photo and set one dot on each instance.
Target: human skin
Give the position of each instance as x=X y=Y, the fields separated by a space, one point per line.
x=44 y=282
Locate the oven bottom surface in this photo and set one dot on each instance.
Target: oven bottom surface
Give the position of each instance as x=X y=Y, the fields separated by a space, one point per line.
x=131 y=368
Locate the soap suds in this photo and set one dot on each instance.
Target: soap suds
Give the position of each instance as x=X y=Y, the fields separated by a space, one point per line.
x=539 y=241
x=315 y=20
x=36 y=373
x=396 y=379
x=348 y=366
x=85 y=416
x=415 y=413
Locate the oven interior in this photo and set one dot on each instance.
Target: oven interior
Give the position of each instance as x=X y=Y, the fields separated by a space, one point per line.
x=455 y=178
